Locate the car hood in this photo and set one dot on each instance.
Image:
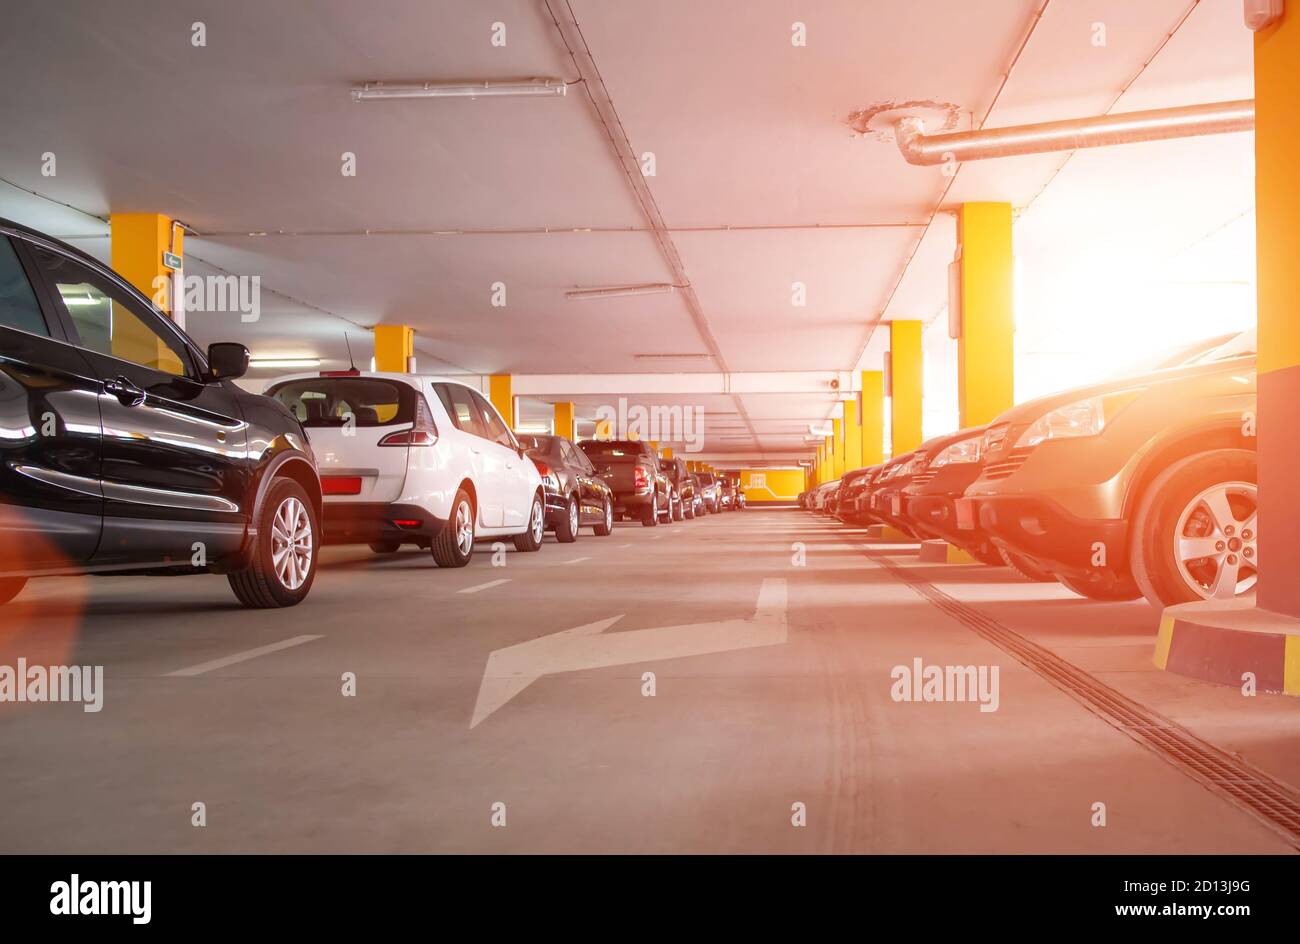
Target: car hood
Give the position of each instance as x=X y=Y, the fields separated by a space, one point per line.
x=1031 y=410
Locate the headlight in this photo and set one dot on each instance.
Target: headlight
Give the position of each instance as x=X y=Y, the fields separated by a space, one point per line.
x=1082 y=418
x=967 y=450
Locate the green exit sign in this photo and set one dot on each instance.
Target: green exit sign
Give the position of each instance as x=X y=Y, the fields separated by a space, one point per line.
x=171 y=260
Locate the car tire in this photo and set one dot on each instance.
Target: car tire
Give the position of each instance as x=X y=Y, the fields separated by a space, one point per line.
x=531 y=540
x=453 y=545
x=666 y=513
x=606 y=527
x=1105 y=586
x=566 y=530
x=987 y=553
x=289 y=519
x=385 y=547
x=10 y=587
x=1026 y=568
x=650 y=513
x=1180 y=499
x=688 y=511
x=679 y=511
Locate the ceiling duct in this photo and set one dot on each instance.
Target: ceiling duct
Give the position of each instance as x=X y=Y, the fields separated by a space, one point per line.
x=1156 y=124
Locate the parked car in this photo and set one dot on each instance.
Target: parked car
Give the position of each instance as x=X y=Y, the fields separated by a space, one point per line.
x=415 y=459
x=576 y=497
x=851 y=486
x=943 y=469
x=684 y=483
x=697 y=495
x=822 y=494
x=124 y=449
x=885 y=496
x=632 y=471
x=710 y=492
x=1142 y=486
x=726 y=493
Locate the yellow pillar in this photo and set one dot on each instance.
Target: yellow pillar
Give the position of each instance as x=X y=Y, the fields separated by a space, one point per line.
x=873 y=417
x=564 y=424
x=499 y=392
x=394 y=348
x=837 y=448
x=666 y=452
x=986 y=348
x=1277 y=229
x=138 y=242
x=852 y=436
x=905 y=384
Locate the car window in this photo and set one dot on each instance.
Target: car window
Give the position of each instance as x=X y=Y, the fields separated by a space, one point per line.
x=461 y=408
x=569 y=454
x=18 y=306
x=108 y=320
x=496 y=429
x=332 y=401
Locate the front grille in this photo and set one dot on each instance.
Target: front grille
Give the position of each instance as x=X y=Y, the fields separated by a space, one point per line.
x=1008 y=466
x=920 y=478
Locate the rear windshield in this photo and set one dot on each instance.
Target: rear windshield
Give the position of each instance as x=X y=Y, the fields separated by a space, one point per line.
x=614 y=447
x=535 y=443
x=331 y=401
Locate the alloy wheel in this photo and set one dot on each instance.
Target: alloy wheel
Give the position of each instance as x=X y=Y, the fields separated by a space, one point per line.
x=537 y=523
x=292 y=543
x=464 y=528
x=573 y=517
x=1215 y=542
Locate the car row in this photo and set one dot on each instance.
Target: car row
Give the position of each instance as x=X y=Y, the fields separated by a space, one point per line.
x=1142 y=486
x=125 y=449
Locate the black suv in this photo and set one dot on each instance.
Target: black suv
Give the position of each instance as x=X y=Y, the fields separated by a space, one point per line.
x=125 y=449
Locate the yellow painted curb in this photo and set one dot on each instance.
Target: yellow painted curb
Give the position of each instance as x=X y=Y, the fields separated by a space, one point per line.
x=1163 y=641
x=1291 y=666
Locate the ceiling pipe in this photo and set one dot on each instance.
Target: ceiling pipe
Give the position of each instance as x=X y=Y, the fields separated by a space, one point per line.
x=1156 y=124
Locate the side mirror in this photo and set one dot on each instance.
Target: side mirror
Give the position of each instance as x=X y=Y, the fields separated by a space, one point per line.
x=227 y=361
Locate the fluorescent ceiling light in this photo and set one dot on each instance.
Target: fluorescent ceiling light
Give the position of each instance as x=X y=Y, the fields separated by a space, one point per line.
x=616 y=291
x=287 y=362
x=491 y=88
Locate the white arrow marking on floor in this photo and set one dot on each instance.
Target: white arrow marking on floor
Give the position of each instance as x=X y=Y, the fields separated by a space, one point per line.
x=511 y=670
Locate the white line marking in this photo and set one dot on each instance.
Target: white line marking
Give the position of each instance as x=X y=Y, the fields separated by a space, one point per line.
x=624 y=545
x=575 y=560
x=240 y=657
x=485 y=586
x=511 y=670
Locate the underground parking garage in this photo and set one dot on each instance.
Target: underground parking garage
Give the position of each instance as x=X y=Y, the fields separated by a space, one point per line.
x=560 y=426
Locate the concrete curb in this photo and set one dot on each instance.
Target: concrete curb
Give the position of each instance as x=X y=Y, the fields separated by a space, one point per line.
x=1219 y=641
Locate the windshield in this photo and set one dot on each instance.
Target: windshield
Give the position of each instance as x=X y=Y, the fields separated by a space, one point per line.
x=336 y=401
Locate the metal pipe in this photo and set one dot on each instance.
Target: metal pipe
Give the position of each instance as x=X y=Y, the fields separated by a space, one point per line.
x=1154 y=125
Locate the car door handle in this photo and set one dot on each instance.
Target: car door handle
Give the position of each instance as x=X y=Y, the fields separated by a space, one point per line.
x=127 y=393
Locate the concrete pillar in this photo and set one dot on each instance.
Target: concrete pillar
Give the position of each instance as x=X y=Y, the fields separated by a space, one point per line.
x=394 y=348
x=905 y=385
x=564 y=423
x=1277 y=228
x=873 y=417
x=986 y=347
x=501 y=394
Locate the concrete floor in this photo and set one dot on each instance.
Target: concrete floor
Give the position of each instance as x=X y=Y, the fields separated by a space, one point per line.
x=796 y=709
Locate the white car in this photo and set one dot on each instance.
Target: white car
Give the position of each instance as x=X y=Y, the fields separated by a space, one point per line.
x=412 y=459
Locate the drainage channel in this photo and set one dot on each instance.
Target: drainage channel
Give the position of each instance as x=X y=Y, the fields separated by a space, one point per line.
x=1272 y=802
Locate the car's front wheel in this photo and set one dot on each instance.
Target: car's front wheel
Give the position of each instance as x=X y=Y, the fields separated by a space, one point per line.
x=675 y=504
x=1106 y=586
x=566 y=529
x=282 y=564
x=606 y=526
x=1195 y=535
x=10 y=587
x=531 y=540
x=688 y=509
x=454 y=544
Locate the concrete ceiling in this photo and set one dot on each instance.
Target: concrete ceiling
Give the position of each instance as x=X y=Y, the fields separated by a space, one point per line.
x=759 y=177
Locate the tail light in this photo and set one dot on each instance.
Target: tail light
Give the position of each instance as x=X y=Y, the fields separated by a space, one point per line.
x=407 y=523
x=543 y=469
x=423 y=433
x=641 y=477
